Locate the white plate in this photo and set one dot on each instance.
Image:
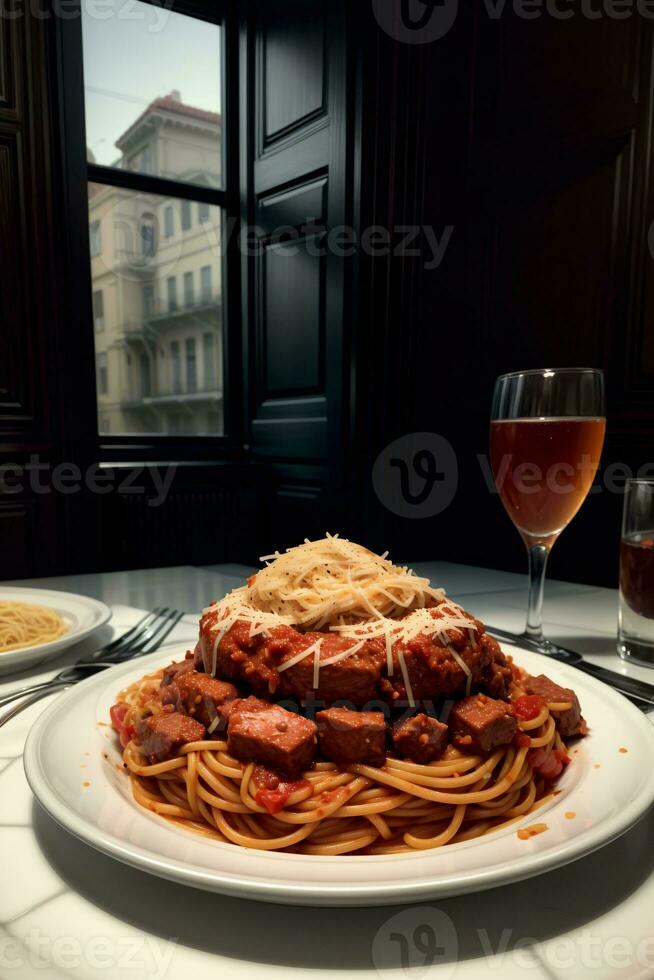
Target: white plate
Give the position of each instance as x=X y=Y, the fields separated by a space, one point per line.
x=606 y=800
x=81 y=614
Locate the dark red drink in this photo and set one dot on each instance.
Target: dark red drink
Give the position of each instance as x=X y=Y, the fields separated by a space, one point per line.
x=637 y=573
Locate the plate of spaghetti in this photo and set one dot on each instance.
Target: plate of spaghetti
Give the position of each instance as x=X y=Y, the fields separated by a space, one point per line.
x=342 y=733
x=37 y=623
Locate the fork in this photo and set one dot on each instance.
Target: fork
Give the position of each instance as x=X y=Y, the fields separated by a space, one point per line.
x=144 y=637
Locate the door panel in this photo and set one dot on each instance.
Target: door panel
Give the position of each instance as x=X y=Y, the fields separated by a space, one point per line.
x=293 y=53
x=298 y=184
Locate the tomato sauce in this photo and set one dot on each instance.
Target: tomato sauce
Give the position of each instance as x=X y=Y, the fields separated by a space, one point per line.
x=273 y=789
x=529 y=706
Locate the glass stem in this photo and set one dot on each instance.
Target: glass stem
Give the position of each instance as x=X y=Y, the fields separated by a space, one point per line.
x=538 y=555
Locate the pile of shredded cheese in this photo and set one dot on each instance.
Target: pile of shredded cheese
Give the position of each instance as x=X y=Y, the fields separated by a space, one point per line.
x=334 y=585
x=334 y=581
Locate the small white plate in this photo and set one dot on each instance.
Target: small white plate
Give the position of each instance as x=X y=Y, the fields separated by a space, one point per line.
x=81 y=614
x=607 y=791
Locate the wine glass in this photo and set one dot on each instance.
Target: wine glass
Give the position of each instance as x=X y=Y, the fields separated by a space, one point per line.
x=546 y=437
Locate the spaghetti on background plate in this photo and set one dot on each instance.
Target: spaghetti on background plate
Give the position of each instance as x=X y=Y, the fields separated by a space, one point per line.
x=339 y=704
x=24 y=625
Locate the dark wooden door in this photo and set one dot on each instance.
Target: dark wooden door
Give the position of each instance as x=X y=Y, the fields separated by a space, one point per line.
x=297 y=148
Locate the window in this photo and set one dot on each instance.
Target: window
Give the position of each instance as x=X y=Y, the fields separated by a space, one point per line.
x=188 y=289
x=98 y=310
x=95 y=238
x=146 y=160
x=148 y=239
x=191 y=370
x=186 y=215
x=171 y=286
x=148 y=301
x=146 y=377
x=102 y=372
x=157 y=110
x=205 y=283
x=209 y=358
x=175 y=369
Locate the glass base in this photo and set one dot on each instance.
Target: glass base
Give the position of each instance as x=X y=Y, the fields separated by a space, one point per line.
x=636 y=652
x=539 y=641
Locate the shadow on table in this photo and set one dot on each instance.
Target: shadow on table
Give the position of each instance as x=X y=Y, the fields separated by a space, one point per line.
x=476 y=925
x=585 y=644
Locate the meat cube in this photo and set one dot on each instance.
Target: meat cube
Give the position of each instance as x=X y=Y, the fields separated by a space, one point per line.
x=174 y=670
x=162 y=735
x=352 y=736
x=202 y=696
x=481 y=723
x=420 y=738
x=269 y=734
x=569 y=721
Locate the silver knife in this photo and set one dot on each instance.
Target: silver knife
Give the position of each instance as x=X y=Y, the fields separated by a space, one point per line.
x=629 y=686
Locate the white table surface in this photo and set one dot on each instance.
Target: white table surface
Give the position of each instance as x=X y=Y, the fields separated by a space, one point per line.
x=68 y=911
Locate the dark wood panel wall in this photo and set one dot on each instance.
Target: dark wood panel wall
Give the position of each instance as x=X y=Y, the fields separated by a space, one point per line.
x=29 y=521
x=532 y=140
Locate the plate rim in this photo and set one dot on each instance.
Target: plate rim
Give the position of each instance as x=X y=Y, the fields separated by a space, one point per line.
x=332 y=894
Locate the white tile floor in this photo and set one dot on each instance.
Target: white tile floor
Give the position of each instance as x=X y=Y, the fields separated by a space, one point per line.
x=67 y=911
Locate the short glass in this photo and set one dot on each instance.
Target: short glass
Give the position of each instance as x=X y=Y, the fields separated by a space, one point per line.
x=636 y=622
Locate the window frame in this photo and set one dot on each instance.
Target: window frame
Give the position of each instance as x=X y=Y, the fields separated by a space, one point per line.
x=78 y=173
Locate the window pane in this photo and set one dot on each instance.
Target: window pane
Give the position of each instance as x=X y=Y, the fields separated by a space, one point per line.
x=98 y=310
x=186 y=215
x=152 y=91
x=159 y=354
x=191 y=374
x=94 y=238
x=171 y=284
x=205 y=284
x=188 y=289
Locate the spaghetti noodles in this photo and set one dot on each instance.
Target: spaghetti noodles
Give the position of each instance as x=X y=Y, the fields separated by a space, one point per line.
x=333 y=809
x=25 y=625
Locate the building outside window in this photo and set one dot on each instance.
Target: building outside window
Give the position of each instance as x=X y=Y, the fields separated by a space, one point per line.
x=146 y=160
x=98 y=310
x=147 y=273
x=148 y=301
x=209 y=358
x=171 y=286
x=186 y=215
x=146 y=377
x=175 y=368
x=102 y=373
x=191 y=366
x=188 y=289
x=169 y=221
x=148 y=239
x=205 y=284
x=95 y=238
